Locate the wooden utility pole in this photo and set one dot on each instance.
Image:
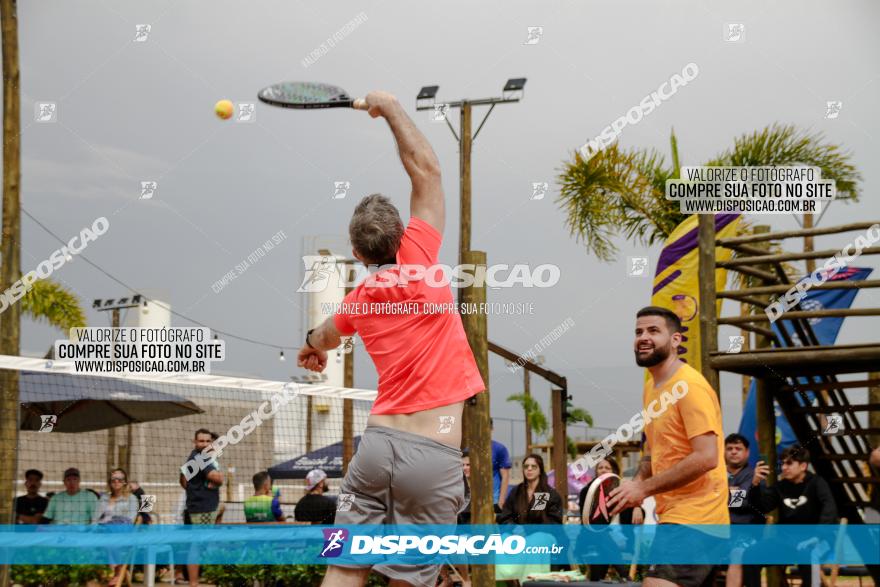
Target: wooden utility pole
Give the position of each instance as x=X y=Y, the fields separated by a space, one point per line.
x=348 y=404
x=708 y=318
x=464 y=164
x=479 y=432
x=10 y=268
x=528 y=394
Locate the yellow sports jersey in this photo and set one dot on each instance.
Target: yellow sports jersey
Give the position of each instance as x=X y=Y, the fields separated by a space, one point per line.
x=686 y=407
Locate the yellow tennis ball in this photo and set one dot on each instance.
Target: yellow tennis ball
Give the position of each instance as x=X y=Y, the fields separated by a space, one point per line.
x=223 y=109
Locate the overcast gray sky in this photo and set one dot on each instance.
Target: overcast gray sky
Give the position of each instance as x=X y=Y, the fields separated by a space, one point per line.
x=132 y=111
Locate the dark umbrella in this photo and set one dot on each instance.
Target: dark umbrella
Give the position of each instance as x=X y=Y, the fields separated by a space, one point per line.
x=328 y=458
x=82 y=403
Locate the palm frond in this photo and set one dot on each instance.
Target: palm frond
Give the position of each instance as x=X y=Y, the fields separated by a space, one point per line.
x=622 y=192
x=534 y=413
x=50 y=302
x=783 y=145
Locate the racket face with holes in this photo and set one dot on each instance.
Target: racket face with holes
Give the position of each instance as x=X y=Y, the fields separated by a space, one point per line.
x=596 y=509
x=305 y=95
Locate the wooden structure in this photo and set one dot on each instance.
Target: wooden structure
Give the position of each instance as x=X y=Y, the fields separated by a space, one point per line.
x=558 y=458
x=797 y=372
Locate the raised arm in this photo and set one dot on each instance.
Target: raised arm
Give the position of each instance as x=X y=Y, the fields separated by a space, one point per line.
x=418 y=158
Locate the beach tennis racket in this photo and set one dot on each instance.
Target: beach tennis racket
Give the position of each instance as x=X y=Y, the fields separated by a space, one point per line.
x=596 y=508
x=309 y=95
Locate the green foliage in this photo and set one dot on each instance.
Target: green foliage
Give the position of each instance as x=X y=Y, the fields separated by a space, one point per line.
x=50 y=302
x=621 y=192
x=58 y=575
x=580 y=415
x=534 y=413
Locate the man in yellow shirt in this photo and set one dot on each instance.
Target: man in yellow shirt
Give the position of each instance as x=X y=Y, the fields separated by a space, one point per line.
x=683 y=463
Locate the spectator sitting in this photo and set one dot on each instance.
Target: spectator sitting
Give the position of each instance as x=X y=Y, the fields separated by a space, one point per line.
x=802 y=498
x=316 y=507
x=533 y=501
x=628 y=516
x=117 y=506
x=29 y=508
x=73 y=506
x=262 y=506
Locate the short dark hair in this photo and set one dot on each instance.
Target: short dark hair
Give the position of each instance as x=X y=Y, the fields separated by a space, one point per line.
x=202 y=431
x=34 y=472
x=214 y=436
x=736 y=439
x=260 y=479
x=673 y=322
x=376 y=230
x=796 y=453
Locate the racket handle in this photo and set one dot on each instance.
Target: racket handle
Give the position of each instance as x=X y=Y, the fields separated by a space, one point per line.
x=360 y=104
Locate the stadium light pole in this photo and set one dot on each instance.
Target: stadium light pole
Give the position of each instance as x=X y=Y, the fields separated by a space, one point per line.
x=476 y=430
x=427 y=100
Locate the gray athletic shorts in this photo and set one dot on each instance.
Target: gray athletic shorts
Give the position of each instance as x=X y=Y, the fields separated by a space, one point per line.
x=402 y=478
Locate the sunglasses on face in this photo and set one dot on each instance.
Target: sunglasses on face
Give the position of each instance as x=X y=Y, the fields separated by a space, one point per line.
x=120 y=479
x=531 y=467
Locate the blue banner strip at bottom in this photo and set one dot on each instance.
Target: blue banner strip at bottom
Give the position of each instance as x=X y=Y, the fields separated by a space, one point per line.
x=431 y=544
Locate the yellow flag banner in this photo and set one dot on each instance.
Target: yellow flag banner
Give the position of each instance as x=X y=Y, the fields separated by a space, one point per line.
x=676 y=282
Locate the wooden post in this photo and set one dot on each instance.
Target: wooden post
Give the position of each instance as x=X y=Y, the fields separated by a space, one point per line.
x=559 y=454
x=479 y=433
x=708 y=318
x=112 y=449
x=10 y=267
x=464 y=148
x=745 y=310
x=528 y=393
x=309 y=411
x=874 y=415
x=348 y=404
x=808 y=241
x=766 y=418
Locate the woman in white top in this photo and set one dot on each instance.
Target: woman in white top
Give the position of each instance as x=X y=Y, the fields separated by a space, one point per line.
x=117 y=506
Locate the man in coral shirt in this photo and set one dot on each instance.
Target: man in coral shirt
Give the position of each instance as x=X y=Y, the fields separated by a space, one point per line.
x=407 y=469
x=683 y=466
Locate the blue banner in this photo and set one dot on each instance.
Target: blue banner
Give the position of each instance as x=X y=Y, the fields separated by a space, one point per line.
x=826 y=331
x=426 y=544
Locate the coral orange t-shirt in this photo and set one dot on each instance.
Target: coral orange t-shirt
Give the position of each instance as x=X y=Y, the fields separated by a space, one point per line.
x=691 y=409
x=421 y=352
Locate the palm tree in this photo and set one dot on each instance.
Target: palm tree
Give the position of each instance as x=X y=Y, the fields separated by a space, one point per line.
x=538 y=421
x=622 y=192
x=533 y=412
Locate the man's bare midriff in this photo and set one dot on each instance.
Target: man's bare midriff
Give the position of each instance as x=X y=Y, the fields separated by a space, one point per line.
x=433 y=423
